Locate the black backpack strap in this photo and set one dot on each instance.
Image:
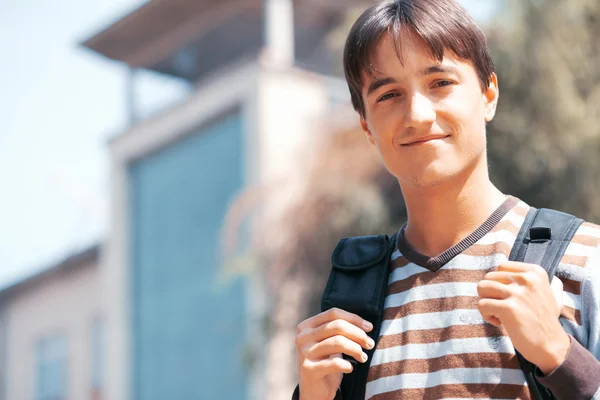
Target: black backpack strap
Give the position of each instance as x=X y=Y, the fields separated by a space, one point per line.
x=542 y=240
x=358 y=284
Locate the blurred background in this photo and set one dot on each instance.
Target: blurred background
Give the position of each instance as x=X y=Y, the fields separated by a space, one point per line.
x=174 y=175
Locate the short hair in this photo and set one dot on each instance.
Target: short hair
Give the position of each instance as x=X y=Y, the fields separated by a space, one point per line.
x=442 y=24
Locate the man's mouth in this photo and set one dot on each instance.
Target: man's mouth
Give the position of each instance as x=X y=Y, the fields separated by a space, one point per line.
x=425 y=139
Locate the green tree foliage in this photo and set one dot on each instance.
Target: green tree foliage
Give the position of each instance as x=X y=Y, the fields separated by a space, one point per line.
x=544 y=144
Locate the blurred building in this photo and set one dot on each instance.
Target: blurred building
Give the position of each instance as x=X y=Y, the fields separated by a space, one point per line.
x=52 y=333
x=174 y=328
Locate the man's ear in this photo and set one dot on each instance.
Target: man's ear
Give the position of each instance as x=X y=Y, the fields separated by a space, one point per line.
x=365 y=128
x=491 y=98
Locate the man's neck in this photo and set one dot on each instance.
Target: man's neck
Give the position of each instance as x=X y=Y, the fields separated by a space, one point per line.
x=440 y=217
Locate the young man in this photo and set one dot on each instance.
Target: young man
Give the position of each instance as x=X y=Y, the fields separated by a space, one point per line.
x=456 y=309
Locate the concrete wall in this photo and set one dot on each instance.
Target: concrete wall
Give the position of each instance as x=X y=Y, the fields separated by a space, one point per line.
x=64 y=303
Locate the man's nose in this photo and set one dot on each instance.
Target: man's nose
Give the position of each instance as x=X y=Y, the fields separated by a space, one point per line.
x=420 y=112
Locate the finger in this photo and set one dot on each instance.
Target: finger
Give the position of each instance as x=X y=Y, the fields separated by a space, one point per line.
x=492 y=320
x=334 y=345
x=503 y=277
x=327 y=366
x=492 y=310
x=515 y=266
x=492 y=289
x=557 y=289
x=331 y=315
x=334 y=328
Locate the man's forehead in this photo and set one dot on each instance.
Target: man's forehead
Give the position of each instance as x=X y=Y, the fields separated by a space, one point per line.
x=407 y=42
x=430 y=65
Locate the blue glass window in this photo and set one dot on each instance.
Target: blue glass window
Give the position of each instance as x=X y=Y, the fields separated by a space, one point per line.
x=51 y=360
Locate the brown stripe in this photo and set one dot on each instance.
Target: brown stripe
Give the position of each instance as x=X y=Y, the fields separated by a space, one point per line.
x=586 y=240
x=574 y=260
x=399 y=263
x=487 y=250
x=431 y=306
x=521 y=209
x=430 y=278
x=571 y=286
x=473 y=390
x=426 y=366
x=506 y=225
x=571 y=314
x=440 y=335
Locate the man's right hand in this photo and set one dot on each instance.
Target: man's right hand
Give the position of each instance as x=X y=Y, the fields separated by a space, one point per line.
x=320 y=343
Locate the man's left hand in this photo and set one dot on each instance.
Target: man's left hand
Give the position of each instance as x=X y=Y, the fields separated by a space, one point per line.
x=519 y=297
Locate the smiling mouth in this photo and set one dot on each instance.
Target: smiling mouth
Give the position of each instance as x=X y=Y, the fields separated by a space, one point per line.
x=425 y=140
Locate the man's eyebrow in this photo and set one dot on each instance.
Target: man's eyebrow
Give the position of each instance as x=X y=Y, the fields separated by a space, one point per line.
x=434 y=69
x=438 y=68
x=376 y=84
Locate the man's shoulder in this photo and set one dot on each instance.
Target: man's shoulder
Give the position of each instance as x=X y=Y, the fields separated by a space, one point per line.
x=588 y=231
x=584 y=249
x=588 y=234
x=591 y=227
x=583 y=252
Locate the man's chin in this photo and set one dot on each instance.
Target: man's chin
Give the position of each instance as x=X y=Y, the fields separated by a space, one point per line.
x=429 y=180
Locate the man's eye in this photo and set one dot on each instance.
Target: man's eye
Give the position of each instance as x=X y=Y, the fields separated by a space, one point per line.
x=387 y=96
x=443 y=83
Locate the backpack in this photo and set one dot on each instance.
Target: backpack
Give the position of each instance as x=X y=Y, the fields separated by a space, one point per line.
x=359 y=278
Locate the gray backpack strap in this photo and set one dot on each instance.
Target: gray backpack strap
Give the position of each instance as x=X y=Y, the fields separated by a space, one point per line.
x=542 y=240
x=544 y=237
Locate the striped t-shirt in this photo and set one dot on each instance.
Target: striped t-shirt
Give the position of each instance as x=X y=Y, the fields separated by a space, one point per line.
x=434 y=342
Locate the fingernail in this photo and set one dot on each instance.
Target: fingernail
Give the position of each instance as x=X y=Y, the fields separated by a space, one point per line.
x=367 y=325
x=364 y=357
x=370 y=344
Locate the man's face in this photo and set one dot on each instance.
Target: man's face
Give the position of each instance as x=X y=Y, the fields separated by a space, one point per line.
x=426 y=118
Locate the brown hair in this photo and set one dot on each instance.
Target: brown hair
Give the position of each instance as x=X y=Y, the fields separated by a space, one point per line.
x=442 y=24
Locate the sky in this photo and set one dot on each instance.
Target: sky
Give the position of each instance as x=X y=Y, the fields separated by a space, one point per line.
x=59 y=105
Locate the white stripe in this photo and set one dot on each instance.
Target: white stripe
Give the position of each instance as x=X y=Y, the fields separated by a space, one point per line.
x=500 y=236
x=460 y=262
x=475 y=263
x=593 y=259
x=406 y=272
x=435 y=291
x=572 y=272
x=571 y=300
x=588 y=231
x=422 y=351
x=577 y=249
x=396 y=254
x=522 y=205
x=516 y=220
x=446 y=377
x=436 y=320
